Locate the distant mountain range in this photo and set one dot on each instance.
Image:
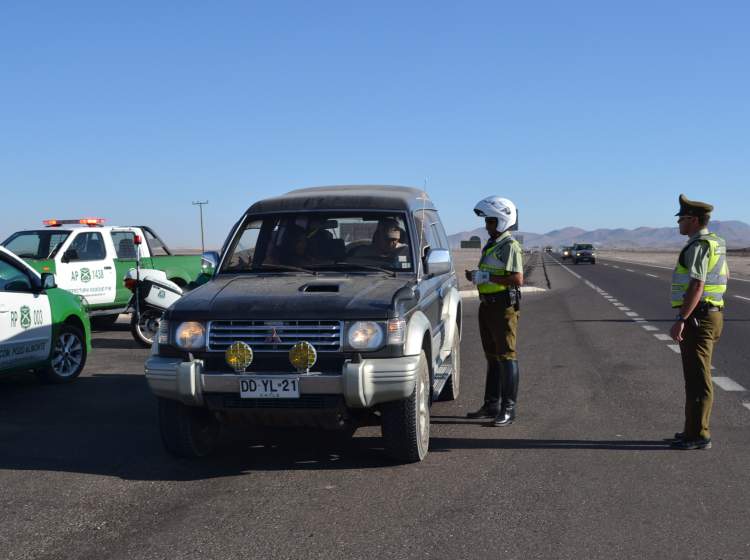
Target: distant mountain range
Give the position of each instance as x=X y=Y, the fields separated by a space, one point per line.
x=736 y=234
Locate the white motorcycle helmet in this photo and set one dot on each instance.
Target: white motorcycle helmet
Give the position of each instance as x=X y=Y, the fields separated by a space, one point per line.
x=497 y=207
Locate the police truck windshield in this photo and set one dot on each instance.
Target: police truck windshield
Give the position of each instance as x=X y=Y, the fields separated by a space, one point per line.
x=322 y=241
x=38 y=244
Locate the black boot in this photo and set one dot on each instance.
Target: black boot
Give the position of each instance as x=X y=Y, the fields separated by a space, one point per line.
x=509 y=391
x=491 y=405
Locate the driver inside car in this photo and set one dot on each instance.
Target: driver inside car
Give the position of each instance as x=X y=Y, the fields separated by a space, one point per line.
x=386 y=242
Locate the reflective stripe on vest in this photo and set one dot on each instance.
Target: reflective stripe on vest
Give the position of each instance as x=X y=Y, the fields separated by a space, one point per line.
x=716 y=278
x=494 y=266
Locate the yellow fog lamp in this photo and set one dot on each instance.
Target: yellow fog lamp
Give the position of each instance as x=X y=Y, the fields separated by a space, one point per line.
x=239 y=356
x=303 y=356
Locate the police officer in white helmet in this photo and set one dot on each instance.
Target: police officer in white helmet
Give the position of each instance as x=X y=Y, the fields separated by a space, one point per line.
x=498 y=280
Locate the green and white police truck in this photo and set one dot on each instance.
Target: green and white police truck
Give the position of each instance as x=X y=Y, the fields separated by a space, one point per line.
x=91 y=260
x=42 y=327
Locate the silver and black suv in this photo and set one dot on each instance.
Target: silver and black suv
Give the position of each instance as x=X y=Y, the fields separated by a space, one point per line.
x=584 y=252
x=331 y=307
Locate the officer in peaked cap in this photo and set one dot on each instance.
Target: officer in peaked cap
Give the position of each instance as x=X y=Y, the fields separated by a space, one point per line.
x=699 y=283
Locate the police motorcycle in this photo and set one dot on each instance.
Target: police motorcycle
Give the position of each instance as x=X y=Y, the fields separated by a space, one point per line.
x=153 y=293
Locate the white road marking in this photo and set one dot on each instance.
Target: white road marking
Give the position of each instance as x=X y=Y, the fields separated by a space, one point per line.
x=746 y=405
x=651 y=275
x=639 y=319
x=615 y=266
x=623 y=308
x=662 y=336
x=631 y=314
x=630 y=270
x=650 y=327
x=742 y=297
x=728 y=384
x=674 y=347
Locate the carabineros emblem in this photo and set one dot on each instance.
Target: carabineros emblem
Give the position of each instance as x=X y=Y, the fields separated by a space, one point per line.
x=85 y=275
x=25 y=317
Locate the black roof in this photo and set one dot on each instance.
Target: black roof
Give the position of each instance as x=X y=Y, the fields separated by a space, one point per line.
x=346 y=197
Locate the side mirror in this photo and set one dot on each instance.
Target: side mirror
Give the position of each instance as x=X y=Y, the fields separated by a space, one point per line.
x=69 y=255
x=48 y=281
x=438 y=262
x=209 y=262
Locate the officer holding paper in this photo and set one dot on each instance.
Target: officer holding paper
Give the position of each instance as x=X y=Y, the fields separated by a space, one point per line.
x=498 y=280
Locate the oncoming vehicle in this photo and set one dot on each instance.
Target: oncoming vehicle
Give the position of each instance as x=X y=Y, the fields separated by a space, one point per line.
x=584 y=252
x=91 y=260
x=42 y=328
x=331 y=307
x=567 y=253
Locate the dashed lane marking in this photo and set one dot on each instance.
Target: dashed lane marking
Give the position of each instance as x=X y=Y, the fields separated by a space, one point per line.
x=630 y=270
x=651 y=275
x=662 y=336
x=742 y=297
x=674 y=348
x=728 y=384
x=631 y=314
x=746 y=405
x=650 y=327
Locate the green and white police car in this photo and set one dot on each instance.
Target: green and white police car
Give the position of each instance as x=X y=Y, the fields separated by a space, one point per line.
x=42 y=327
x=91 y=260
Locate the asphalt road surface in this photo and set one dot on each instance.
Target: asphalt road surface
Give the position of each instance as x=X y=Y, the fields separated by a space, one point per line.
x=583 y=473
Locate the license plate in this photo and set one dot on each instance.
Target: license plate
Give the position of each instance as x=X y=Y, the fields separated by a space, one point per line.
x=269 y=387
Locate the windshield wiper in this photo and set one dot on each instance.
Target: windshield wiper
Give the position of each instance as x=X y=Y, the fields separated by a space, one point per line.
x=285 y=267
x=347 y=264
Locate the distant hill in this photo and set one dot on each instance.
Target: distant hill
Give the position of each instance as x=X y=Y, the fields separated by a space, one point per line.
x=737 y=235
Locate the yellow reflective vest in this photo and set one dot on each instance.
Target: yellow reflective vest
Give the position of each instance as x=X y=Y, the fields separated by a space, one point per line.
x=716 y=278
x=491 y=262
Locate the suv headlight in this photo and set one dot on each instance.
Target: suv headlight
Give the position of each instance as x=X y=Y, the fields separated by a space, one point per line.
x=190 y=335
x=365 y=335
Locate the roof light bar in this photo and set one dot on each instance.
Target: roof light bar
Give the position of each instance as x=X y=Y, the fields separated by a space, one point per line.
x=81 y=221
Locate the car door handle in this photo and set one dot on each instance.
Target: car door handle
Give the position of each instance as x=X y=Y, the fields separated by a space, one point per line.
x=107 y=268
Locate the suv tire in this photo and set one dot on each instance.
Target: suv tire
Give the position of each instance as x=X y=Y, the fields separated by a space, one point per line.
x=453 y=386
x=187 y=431
x=406 y=423
x=68 y=356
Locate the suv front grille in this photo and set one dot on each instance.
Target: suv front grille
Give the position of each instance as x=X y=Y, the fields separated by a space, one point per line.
x=275 y=336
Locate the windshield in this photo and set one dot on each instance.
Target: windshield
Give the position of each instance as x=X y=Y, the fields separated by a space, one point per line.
x=321 y=241
x=584 y=247
x=39 y=244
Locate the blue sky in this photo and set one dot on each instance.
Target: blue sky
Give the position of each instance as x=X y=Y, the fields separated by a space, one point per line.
x=593 y=114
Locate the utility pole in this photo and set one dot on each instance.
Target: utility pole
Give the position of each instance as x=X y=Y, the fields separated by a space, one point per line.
x=200 y=204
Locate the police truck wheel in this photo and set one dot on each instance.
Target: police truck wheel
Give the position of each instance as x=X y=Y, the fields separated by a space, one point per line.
x=453 y=385
x=187 y=431
x=406 y=423
x=145 y=327
x=68 y=356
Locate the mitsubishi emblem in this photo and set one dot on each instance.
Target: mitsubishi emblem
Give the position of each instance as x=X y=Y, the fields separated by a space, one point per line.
x=273 y=338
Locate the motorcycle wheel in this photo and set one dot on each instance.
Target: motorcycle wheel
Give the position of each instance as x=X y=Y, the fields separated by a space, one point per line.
x=144 y=327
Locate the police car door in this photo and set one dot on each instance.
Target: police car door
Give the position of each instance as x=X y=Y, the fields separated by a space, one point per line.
x=87 y=268
x=25 y=317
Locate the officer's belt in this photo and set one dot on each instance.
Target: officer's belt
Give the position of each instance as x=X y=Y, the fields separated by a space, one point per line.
x=499 y=297
x=703 y=308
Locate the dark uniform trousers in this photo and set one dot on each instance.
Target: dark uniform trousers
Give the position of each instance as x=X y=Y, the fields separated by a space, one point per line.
x=497 y=328
x=697 y=349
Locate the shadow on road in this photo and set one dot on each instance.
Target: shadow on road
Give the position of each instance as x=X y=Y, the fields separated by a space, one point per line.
x=438 y=444
x=115 y=343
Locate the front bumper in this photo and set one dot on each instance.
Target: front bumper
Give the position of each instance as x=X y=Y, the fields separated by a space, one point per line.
x=361 y=384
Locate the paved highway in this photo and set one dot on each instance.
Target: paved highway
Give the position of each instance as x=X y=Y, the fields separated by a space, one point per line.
x=583 y=473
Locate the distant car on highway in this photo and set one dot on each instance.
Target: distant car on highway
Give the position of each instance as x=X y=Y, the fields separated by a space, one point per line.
x=42 y=328
x=567 y=253
x=584 y=252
